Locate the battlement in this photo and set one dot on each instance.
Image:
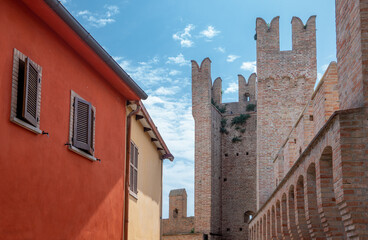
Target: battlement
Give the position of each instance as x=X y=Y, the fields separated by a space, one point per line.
x=201 y=81
x=303 y=36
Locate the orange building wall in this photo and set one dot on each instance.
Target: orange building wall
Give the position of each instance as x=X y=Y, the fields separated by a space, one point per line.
x=47 y=191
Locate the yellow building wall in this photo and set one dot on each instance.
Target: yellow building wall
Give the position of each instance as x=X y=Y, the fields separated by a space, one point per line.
x=144 y=211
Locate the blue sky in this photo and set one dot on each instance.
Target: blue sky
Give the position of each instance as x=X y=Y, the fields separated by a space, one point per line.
x=154 y=42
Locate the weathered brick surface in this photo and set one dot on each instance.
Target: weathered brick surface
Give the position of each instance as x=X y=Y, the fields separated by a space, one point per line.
x=187 y=236
x=351 y=43
x=285 y=82
x=325 y=191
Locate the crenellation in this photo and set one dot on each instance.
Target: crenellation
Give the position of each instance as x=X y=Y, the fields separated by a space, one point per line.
x=217 y=90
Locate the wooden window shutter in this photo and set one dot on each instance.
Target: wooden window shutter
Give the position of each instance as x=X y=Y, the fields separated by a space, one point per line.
x=30 y=93
x=83 y=122
x=133 y=178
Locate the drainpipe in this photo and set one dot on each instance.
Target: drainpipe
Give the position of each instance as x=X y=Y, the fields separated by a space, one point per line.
x=161 y=225
x=127 y=167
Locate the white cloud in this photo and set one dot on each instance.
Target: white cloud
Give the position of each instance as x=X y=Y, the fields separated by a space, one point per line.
x=233 y=87
x=210 y=32
x=249 y=66
x=167 y=90
x=98 y=19
x=179 y=60
x=63 y=1
x=220 y=49
x=149 y=74
x=174 y=72
x=232 y=58
x=184 y=36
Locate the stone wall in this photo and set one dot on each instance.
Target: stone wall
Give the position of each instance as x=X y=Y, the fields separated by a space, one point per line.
x=186 y=236
x=238 y=175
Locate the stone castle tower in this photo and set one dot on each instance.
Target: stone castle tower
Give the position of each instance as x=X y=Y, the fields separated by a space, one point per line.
x=285 y=81
x=225 y=155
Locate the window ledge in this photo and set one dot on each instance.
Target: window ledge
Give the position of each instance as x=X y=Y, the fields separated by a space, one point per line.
x=133 y=194
x=83 y=154
x=25 y=125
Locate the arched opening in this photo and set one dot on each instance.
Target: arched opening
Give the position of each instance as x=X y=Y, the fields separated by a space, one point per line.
x=278 y=220
x=300 y=218
x=273 y=223
x=248 y=216
x=260 y=229
x=284 y=218
x=268 y=228
x=291 y=213
x=264 y=227
x=331 y=215
x=175 y=213
x=315 y=226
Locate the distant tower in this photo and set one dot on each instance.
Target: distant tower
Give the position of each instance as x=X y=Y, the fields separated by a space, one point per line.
x=178 y=203
x=285 y=82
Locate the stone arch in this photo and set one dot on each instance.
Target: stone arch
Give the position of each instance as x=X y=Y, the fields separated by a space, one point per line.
x=273 y=223
x=330 y=214
x=278 y=220
x=261 y=228
x=264 y=227
x=313 y=219
x=284 y=218
x=293 y=231
x=300 y=210
x=268 y=228
x=248 y=216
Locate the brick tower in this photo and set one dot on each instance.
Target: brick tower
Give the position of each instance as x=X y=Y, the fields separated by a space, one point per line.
x=285 y=82
x=225 y=155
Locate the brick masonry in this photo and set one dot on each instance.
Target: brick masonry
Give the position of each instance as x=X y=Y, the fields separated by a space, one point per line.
x=285 y=82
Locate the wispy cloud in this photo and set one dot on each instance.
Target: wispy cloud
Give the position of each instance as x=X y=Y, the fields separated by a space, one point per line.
x=232 y=58
x=64 y=1
x=220 y=49
x=100 y=19
x=210 y=32
x=233 y=87
x=179 y=60
x=184 y=36
x=166 y=91
x=174 y=72
x=249 y=66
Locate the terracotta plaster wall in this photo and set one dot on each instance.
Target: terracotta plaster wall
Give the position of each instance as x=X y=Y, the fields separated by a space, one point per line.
x=47 y=191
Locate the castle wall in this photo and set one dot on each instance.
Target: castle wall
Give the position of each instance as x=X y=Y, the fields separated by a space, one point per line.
x=285 y=81
x=238 y=176
x=216 y=205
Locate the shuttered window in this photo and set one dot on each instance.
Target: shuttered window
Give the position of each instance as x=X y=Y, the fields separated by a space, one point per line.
x=133 y=178
x=83 y=125
x=26 y=92
x=30 y=101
